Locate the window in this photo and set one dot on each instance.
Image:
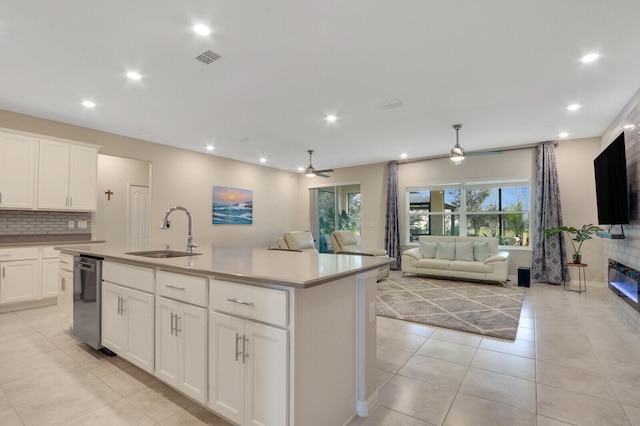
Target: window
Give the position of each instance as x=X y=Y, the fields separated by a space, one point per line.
x=489 y=209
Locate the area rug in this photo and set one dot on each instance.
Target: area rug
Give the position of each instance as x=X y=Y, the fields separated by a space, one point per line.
x=486 y=309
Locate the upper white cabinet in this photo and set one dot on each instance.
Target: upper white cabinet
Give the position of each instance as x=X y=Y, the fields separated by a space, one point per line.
x=17 y=171
x=67 y=176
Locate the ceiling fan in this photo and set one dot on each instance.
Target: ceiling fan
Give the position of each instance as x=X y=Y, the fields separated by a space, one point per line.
x=310 y=171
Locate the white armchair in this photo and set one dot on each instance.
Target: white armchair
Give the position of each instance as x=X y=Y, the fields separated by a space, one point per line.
x=295 y=241
x=346 y=242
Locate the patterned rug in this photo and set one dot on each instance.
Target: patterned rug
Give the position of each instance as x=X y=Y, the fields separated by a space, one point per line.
x=486 y=309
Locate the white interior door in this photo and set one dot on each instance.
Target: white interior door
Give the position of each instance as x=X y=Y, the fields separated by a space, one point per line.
x=138 y=213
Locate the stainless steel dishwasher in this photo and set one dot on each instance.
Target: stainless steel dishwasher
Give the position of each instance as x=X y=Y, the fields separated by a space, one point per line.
x=87 y=285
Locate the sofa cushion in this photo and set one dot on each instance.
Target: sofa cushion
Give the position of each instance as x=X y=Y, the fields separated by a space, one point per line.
x=427 y=249
x=299 y=240
x=464 y=251
x=464 y=266
x=431 y=264
x=346 y=240
x=445 y=250
x=481 y=251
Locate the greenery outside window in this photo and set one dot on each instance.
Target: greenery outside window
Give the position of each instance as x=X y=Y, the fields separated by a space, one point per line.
x=494 y=209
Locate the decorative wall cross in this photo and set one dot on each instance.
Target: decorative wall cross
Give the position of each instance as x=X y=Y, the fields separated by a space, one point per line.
x=109 y=194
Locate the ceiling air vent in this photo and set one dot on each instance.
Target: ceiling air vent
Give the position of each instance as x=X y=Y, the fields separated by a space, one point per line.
x=207 y=57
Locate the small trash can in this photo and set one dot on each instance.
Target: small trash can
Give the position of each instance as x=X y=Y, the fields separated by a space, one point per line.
x=524 y=276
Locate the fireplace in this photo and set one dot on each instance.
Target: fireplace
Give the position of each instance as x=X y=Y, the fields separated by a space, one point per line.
x=623 y=281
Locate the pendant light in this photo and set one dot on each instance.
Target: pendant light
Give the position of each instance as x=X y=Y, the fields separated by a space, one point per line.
x=457 y=153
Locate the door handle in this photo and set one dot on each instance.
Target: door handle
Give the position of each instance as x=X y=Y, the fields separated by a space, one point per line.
x=172 y=326
x=238 y=353
x=240 y=302
x=245 y=355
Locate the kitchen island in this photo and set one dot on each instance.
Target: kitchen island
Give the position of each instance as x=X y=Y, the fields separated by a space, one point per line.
x=258 y=336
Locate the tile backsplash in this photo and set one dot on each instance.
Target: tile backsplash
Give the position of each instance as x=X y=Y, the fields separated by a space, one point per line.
x=27 y=222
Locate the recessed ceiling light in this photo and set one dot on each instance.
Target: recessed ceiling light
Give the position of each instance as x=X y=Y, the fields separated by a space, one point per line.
x=202 y=30
x=589 y=58
x=134 y=75
x=573 y=107
x=403 y=155
x=563 y=134
x=210 y=148
x=89 y=104
x=263 y=160
x=331 y=118
x=628 y=126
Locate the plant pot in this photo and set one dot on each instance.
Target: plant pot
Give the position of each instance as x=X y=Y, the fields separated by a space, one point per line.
x=577 y=258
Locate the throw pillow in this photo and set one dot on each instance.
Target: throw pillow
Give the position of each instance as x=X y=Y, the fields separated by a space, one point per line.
x=445 y=250
x=464 y=251
x=427 y=249
x=481 y=251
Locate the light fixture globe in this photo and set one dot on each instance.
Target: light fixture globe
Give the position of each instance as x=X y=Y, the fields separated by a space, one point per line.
x=457 y=153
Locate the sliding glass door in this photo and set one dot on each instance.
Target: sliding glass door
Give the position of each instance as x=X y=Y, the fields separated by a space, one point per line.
x=334 y=208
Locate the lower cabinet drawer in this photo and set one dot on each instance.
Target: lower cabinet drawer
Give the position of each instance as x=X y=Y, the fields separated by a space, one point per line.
x=256 y=303
x=18 y=253
x=136 y=277
x=186 y=288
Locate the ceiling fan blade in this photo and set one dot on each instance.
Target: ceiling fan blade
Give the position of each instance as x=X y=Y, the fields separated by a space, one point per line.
x=324 y=171
x=322 y=175
x=482 y=153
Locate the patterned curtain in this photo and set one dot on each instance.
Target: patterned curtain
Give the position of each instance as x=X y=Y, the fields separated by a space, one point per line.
x=549 y=253
x=392 y=242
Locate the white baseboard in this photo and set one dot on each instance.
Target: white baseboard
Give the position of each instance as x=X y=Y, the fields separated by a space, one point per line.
x=364 y=408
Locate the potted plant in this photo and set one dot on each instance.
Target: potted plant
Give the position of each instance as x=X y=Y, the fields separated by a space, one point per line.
x=576 y=235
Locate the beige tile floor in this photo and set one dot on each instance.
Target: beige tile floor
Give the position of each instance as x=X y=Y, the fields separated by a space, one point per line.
x=574 y=362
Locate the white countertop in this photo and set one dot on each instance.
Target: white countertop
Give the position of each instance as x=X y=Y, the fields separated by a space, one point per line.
x=255 y=266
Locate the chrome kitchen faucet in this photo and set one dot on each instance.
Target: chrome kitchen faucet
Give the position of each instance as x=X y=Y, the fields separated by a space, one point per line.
x=166 y=224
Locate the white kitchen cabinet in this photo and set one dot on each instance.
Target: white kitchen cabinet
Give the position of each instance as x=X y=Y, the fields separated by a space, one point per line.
x=17 y=171
x=181 y=346
x=248 y=361
x=19 y=275
x=49 y=278
x=65 y=287
x=128 y=324
x=67 y=176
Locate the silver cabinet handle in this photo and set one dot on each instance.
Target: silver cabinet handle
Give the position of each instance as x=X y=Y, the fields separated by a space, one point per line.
x=245 y=355
x=66 y=201
x=5 y=255
x=177 y=326
x=173 y=286
x=240 y=302
x=118 y=305
x=0 y=197
x=122 y=309
x=62 y=284
x=238 y=353
x=70 y=201
x=3 y=272
x=172 y=326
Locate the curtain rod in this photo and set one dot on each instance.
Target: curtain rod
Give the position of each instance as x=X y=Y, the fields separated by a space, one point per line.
x=513 y=148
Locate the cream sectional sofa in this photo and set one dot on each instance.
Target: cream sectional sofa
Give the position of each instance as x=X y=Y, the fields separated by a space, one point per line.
x=469 y=258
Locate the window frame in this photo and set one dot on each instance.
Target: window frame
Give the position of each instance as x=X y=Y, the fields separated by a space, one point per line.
x=463 y=214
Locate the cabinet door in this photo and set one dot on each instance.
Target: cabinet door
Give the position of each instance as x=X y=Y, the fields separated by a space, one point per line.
x=49 y=277
x=226 y=371
x=17 y=171
x=167 y=342
x=83 y=175
x=192 y=333
x=53 y=175
x=19 y=281
x=65 y=295
x=138 y=308
x=266 y=363
x=114 y=322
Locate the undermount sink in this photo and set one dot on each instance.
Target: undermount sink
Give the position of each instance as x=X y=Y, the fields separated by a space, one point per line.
x=162 y=254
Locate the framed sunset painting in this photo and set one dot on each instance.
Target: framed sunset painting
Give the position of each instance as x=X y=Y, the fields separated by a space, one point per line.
x=232 y=206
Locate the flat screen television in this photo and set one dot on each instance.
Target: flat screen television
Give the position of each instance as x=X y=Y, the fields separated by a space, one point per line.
x=612 y=194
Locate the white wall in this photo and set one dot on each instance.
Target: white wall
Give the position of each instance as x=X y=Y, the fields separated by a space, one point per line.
x=115 y=174
x=186 y=178
x=574 y=159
